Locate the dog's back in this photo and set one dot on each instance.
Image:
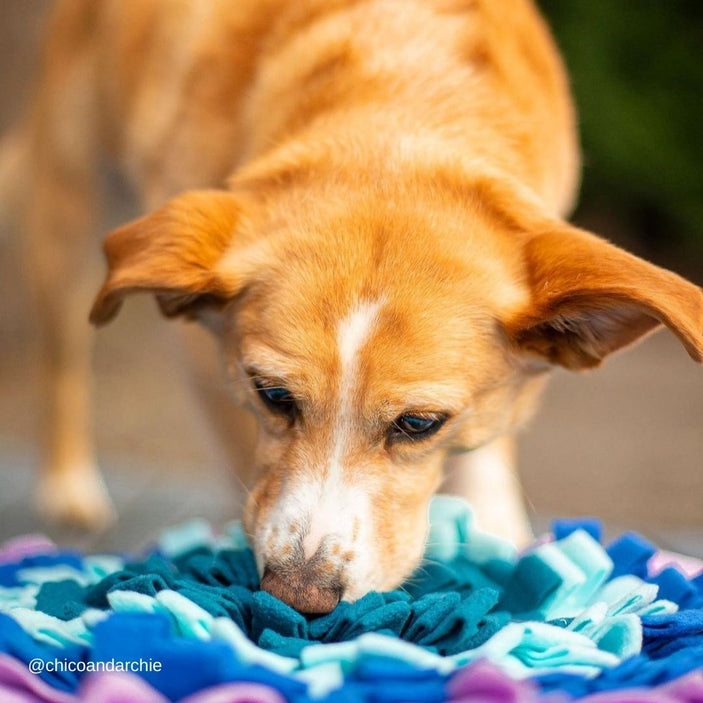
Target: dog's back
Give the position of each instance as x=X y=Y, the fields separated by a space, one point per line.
x=182 y=95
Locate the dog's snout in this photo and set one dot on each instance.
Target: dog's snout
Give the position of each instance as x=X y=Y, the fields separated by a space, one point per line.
x=303 y=589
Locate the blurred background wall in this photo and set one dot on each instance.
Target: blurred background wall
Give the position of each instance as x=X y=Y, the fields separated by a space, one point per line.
x=637 y=75
x=624 y=443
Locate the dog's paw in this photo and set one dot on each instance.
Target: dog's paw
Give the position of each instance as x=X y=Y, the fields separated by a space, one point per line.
x=75 y=498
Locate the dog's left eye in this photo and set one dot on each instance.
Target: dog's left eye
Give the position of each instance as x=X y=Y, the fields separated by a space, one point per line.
x=277 y=399
x=412 y=427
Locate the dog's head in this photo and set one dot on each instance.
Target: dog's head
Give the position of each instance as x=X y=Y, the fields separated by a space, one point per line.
x=372 y=333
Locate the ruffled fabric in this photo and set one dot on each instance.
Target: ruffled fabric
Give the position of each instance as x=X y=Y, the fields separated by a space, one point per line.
x=570 y=615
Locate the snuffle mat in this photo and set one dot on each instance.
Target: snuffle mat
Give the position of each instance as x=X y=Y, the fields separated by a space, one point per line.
x=567 y=619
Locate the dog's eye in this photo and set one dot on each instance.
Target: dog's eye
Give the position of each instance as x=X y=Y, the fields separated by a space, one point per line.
x=414 y=427
x=277 y=399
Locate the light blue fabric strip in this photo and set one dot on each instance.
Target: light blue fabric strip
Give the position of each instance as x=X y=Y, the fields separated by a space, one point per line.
x=18 y=597
x=98 y=566
x=51 y=630
x=452 y=532
x=226 y=630
x=44 y=574
x=182 y=538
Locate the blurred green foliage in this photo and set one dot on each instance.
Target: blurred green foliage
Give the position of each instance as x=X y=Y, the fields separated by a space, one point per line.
x=637 y=75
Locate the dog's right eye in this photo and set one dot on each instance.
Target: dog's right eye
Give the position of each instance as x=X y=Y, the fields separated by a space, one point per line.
x=277 y=399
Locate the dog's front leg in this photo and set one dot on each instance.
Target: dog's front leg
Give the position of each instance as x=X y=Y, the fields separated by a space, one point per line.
x=487 y=478
x=61 y=261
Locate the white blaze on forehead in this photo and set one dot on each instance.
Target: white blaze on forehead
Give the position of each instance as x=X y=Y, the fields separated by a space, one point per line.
x=352 y=334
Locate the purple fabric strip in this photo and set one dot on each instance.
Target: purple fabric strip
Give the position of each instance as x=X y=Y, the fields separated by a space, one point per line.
x=128 y=688
x=687 y=689
x=117 y=688
x=237 y=693
x=690 y=567
x=26 y=546
x=482 y=682
x=19 y=685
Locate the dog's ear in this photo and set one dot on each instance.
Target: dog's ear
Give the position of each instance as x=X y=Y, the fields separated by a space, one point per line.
x=590 y=298
x=173 y=253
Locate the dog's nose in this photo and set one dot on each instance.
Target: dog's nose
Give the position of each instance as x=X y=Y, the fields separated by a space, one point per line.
x=298 y=588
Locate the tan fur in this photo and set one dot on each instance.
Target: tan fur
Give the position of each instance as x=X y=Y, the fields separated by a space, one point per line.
x=411 y=157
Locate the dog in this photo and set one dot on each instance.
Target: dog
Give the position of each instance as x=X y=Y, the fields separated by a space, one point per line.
x=364 y=202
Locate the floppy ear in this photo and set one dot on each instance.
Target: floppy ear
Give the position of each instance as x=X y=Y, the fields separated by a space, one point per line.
x=173 y=253
x=590 y=298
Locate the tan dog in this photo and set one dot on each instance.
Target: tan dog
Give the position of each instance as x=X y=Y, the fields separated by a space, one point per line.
x=384 y=263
